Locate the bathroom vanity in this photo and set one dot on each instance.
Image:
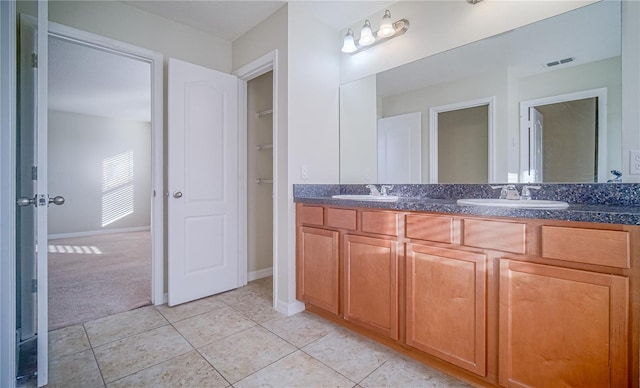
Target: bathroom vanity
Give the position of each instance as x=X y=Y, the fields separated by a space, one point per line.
x=496 y=297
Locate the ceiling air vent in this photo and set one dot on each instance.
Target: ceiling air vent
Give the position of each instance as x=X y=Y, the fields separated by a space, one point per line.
x=560 y=62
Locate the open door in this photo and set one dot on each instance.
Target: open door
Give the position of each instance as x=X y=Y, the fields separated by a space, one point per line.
x=536 y=127
x=202 y=182
x=399 y=148
x=32 y=199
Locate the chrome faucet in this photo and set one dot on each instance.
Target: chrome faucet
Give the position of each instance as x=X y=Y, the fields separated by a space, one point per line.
x=373 y=190
x=617 y=177
x=384 y=189
x=508 y=191
x=526 y=191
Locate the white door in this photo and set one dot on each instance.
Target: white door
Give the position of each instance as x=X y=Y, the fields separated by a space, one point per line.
x=202 y=182
x=536 y=126
x=31 y=189
x=399 y=149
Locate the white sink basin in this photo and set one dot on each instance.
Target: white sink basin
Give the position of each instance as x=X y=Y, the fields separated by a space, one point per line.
x=515 y=203
x=366 y=197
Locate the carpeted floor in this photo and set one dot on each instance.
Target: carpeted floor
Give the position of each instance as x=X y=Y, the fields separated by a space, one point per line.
x=95 y=276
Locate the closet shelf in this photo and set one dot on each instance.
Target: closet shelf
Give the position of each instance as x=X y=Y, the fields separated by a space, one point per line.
x=264 y=112
x=264 y=181
x=261 y=147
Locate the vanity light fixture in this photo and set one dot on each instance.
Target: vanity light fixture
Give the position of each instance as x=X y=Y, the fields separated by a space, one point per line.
x=368 y=38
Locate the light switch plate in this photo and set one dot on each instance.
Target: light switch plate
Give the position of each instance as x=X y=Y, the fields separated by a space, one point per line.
x=634 y=162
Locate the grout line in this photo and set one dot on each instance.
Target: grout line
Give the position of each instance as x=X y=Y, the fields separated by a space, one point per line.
x=331 y=368
x=104 y=383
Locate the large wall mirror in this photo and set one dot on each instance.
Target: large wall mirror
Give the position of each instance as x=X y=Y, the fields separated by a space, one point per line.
x=541 y=103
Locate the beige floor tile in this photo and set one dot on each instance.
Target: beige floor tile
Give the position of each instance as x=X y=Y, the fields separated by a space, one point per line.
x=258 y=310
x=191 y=309
x=76 y=370
x=300 y=329
x=115 y=327
x=265 y=282
x=206 y=328
x=244 y=353
x=129 y=355
x=404 y=372
x=351 y=354
x=187 y=370
x=249 y=292
x=295 y=370
x=66 y=341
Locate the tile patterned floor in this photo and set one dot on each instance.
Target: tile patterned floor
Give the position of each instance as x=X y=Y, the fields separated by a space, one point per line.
x=234 y=339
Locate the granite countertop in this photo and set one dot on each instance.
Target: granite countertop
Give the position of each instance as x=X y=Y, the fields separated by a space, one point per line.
x=609 y=211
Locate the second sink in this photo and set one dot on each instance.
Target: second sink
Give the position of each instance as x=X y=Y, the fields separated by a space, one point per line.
x=514 y=203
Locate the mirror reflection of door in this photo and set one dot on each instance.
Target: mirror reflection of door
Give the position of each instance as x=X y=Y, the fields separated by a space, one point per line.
x=569 y=141
x=465 y=131
x=572 y=146
x=399 y=147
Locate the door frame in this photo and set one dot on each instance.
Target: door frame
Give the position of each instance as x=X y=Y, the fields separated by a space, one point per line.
x=600 y=93
x=8 y=62
x=155 y=59
x=433 y=133
x=254 y=69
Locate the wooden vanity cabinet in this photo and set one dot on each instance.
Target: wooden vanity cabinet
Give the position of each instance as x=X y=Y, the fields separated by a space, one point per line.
x=446 y=304
x=318 y=268
x=495 y=301
x=562 y=326
x=371 y=283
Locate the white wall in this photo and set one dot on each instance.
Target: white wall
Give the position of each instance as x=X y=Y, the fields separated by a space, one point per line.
x=78 y=145
x=437 y=26
x=631 y=84
x=125 y=23
x=358 y=135
x=314 y=79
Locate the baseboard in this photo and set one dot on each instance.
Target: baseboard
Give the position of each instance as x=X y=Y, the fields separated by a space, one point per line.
x=289 y=309
x=259 y=274
x=98 y=232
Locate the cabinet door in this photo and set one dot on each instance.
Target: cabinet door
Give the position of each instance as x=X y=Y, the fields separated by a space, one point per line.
x=446 y=305
x=318 y=268
x=371 y=284
x=562 y=327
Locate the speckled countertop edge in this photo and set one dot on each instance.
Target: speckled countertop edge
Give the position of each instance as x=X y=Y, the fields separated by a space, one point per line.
x=599 y=213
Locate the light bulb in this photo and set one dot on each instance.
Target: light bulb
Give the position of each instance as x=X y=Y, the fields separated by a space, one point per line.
x=386 y=27
x=349 y=44
x=366 y=36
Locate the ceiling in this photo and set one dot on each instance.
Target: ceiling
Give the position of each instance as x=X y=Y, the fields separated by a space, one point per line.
x=87 y=80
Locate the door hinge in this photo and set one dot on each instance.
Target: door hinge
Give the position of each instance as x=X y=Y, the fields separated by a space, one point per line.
x=34 y=286
x=34 y=173
x=34 y=60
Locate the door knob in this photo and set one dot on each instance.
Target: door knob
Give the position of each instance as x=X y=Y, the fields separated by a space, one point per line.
x=24 y=201
x=58 y=200
x=177 y=194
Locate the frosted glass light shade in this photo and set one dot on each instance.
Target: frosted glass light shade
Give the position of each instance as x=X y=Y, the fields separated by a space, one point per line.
x=349 y=44
x=366 y=35
x=386 y=27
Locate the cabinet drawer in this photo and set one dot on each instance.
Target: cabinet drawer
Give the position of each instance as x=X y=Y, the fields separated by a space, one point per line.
x=380 y=223
x=430 y=228
x=341 y=218
x=498 y=235
x=591 y=246
x=312 y=215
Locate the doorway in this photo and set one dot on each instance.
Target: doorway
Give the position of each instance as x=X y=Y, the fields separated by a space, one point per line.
x=461 y=142
x=260 y=177
x=99 y=160
x=564 y=138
